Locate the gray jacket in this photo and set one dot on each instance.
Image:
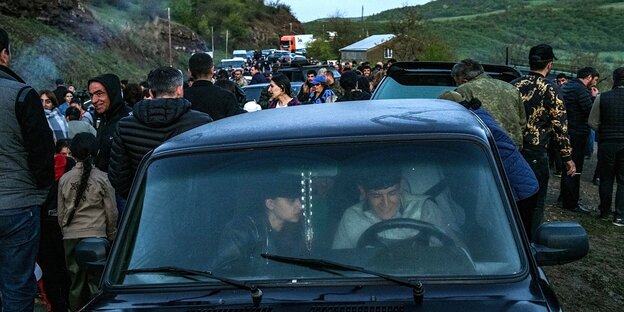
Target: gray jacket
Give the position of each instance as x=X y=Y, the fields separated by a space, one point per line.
x=26 y=145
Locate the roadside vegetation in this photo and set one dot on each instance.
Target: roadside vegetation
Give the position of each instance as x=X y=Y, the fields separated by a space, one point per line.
x=494 y=31
x=132 y=35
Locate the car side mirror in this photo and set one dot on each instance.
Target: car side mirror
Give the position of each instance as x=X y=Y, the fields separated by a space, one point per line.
x=559 y=243
x=91 y=254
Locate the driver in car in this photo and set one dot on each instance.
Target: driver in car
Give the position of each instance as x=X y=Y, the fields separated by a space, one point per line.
x=383 y=199
x=273 y=228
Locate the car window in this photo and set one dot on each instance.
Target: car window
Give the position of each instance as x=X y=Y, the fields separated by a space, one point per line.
x=428 y=209
x=233 y=63
x=413 y=87
x=252 y=93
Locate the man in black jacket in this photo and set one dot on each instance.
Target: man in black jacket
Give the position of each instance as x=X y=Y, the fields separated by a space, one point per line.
x=578 y=103
x=26 y=174
x=203 y=95
x=151 y=123
x=105 y=93
x=607 y=118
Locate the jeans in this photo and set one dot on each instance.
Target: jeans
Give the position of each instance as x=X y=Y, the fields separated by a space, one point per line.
x=570 y=185
x=538 y=160
x=19 y=242
x=611 y=159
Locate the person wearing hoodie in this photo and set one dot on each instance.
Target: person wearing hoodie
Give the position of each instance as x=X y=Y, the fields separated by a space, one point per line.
x=152 y=122
x=106 y=97
x=348 y=82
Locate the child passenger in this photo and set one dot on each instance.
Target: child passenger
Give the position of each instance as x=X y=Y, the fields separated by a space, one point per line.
x=86 y=208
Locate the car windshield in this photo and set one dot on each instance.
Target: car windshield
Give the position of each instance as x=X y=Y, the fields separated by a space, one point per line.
x=426 y=209
x=422 y=86
x=233 y=63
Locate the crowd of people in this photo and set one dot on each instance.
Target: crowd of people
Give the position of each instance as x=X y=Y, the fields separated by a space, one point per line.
x=320 y=85
x=68 y=161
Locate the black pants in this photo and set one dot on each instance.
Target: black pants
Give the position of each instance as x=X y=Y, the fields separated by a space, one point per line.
x=538 y=160
x=51 y=259
x=611 y=158
x=554 y=158
x=570 y=184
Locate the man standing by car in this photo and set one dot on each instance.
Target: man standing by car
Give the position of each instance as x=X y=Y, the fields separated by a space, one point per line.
x=203 y=95
x=547 y=123
x=499 y=98
x=106 y=97
x=27 y=172
x=152 y=122
x=607 y=117
x=578 y=103
x=256 y=75
x=238 y=77
x=105 y=92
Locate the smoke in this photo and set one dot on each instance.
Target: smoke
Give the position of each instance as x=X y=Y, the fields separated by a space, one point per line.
x=37 y=67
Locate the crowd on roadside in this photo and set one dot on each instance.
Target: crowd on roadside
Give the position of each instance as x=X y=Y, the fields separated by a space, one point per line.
x=69 y=158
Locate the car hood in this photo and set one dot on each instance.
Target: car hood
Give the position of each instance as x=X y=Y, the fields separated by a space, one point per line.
x=495 y=297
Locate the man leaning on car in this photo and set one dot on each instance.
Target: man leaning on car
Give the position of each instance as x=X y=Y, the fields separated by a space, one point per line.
x=498 y=97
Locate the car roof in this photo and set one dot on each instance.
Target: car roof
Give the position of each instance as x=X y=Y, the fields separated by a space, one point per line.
x=338 y=122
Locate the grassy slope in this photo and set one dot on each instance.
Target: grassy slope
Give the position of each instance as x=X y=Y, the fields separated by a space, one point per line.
x=43 y=53
x=484 y=29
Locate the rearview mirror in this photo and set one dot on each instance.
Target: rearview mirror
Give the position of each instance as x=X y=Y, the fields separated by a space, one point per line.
x=560 y=243
x=91 y=254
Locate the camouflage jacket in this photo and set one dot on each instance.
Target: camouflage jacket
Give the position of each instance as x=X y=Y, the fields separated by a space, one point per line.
x=338 y=90
x=546 y=114
x=501 y=100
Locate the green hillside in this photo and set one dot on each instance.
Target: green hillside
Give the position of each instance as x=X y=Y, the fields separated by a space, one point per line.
x=52 y=40
x=582 y=32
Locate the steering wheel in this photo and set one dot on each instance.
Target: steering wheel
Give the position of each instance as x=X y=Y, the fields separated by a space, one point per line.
x=372 y=236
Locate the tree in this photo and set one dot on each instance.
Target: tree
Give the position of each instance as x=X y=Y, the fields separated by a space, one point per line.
x=413 y=39
x=347 y=32
x=321 y=50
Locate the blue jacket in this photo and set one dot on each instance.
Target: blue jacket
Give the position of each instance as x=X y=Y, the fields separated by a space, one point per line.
x=521 y=177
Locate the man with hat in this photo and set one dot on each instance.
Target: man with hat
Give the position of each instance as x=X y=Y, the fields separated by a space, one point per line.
x=547 y=123
x=274 y=228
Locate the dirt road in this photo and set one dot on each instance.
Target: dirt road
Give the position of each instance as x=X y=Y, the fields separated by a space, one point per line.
x=596 y=282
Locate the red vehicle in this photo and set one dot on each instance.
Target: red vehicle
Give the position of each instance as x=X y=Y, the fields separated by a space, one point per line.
x=293 y=43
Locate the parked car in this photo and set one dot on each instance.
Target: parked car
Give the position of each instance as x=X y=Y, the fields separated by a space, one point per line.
x=239 y=54
x=252 y=92
x=277 y=56
x=298 y=73
x=237 y=62
x=410 y=80
x=244 y=214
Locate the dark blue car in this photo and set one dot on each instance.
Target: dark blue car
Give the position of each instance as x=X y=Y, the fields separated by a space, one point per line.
x=396 y=205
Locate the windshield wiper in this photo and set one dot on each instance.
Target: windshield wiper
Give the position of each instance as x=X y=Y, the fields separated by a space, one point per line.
x=417 y=288
x=256 y=293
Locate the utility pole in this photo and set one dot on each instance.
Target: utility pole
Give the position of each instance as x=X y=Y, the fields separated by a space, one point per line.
x=227 y=33
x=169 y=19
x=212 y=32
x=291 y=33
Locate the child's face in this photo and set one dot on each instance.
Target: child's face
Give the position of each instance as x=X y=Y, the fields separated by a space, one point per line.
x=65 y=152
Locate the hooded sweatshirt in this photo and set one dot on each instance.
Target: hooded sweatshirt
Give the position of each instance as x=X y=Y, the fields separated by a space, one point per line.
x=152 y=122
x=106 y=122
